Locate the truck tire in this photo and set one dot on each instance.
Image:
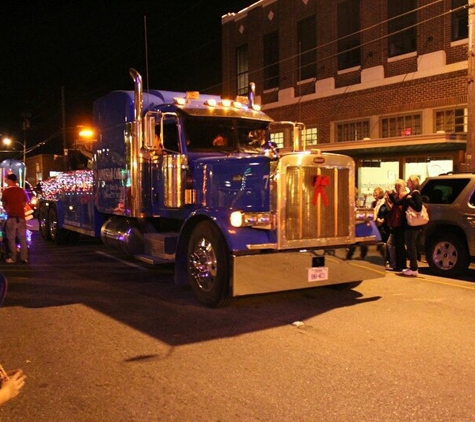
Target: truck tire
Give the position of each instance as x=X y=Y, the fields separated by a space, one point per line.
x=57 y=235
x=447 y=255
x=208 y=265
x=43 y=222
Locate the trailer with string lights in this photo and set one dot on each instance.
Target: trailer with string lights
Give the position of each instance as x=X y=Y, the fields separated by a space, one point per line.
x=197 y=180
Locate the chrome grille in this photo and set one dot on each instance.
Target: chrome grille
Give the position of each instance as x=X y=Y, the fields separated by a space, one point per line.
x=315 y=205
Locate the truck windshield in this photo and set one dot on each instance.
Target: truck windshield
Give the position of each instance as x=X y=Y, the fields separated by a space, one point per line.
x=217 y=133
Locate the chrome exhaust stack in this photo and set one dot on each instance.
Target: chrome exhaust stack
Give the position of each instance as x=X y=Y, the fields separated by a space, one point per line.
x=251 y=94
x=135 y=148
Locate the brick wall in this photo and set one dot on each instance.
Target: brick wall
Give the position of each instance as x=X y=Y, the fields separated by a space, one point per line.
x=433 y=36
x=435 y=92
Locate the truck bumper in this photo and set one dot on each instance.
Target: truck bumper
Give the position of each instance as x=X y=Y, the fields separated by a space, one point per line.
x=291 y=270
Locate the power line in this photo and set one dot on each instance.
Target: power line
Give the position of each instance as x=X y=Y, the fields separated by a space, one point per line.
x=375 y=26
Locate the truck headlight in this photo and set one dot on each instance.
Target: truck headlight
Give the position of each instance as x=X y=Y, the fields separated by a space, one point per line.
x=258 y=220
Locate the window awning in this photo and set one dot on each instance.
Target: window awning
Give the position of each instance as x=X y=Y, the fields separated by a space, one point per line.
x=402 y=145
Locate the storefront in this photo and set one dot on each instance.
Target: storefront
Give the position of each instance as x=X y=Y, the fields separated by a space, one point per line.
x=380 y=162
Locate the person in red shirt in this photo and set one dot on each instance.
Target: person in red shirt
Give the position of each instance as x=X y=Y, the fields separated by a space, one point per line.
x=14 y=200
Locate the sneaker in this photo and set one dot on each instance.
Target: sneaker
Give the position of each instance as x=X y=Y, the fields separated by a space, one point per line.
x=24 y=261
x=410 y=273
x=9 y=261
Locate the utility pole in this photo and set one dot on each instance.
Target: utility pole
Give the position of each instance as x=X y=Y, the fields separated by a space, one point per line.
x=26 y=125
x=470 y=151
x=65 y=143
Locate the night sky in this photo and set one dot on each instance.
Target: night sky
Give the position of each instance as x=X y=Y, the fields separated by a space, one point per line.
x=87 y=47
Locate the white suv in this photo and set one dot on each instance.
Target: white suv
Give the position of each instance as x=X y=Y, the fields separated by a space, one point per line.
x=449 y=238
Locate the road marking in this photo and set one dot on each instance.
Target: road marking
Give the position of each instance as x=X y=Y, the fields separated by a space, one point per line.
x=449 y=284
x=130 y=264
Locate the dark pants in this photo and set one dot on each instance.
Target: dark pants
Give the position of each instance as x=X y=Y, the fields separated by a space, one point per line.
x=411 y=234
x=397 y=248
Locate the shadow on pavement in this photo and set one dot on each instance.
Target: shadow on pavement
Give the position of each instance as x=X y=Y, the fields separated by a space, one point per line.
x=145 y=298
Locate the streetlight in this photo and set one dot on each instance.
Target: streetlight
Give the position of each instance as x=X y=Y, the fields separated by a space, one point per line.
x=7 y=142
x=86 y=133
x=15 y=166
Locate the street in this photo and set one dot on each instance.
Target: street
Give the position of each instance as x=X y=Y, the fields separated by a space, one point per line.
x=106 y=338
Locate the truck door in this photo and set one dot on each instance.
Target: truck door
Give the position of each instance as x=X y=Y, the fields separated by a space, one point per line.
x=170 y=169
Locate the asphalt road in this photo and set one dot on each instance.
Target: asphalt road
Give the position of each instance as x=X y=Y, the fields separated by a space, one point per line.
x=104 y=338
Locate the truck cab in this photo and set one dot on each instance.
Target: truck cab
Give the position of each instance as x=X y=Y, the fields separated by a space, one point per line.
x=197 y=180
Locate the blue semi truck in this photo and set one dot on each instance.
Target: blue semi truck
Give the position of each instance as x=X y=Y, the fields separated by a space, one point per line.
x=198 y=180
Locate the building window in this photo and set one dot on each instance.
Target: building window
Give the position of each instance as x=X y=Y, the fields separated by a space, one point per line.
x=242 y=69
x=309 y=135
x=348 y=34
x=407 y=125
x=399 y=17
x=452 y=120
x=278 y=139
x=352 y=131
x=307 y=48
x=459 y=19
x=271 y=60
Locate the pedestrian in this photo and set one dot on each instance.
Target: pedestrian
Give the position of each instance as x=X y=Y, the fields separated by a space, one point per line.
x=380 y=212
x=396 y=242
x=14 y=200
x=10 y=384
x=411 y=233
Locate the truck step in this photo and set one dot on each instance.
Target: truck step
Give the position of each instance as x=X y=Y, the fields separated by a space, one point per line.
x=153 y=260
x=160 y=245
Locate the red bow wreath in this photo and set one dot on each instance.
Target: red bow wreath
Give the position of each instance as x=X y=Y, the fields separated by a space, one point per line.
x=320 y=183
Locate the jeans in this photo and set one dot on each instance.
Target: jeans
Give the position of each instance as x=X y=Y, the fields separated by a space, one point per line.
x=15 y=228
x=411 y=235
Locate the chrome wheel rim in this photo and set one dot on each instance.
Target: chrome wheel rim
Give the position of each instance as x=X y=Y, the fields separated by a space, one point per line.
x=203 y=264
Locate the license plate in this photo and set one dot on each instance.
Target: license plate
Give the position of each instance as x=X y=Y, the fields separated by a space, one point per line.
x=317 y=274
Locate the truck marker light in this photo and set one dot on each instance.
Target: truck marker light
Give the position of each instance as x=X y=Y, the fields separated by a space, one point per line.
x=211 y=102
x=192 y=95
x=226 y=103
x=180 y=101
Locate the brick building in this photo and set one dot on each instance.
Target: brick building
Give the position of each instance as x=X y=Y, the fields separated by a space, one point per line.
x=382 y=81
x=42 y=166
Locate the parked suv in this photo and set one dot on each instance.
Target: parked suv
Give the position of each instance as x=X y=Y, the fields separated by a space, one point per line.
x=449 y=239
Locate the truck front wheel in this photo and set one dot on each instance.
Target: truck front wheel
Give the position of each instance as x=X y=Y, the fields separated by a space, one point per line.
x=208 y=265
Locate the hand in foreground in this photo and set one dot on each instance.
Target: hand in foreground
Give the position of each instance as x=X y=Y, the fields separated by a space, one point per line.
x=12 y=386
